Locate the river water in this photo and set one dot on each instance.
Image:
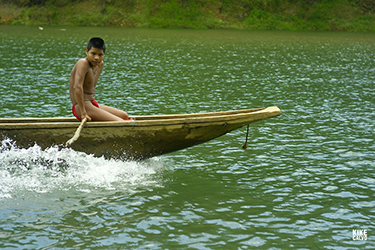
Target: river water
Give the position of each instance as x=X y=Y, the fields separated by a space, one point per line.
x=306 y=181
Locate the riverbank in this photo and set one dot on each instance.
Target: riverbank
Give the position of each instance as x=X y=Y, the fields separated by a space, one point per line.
x=336 y=15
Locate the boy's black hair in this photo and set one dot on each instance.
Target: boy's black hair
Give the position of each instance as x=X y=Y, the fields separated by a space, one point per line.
x=96 y=42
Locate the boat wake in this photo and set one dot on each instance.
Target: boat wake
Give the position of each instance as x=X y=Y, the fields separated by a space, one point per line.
x=33 y=171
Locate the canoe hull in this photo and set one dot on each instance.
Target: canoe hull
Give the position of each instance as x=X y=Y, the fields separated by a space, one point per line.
x=140 y=139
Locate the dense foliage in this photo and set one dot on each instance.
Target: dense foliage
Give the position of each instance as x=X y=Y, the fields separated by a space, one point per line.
x=334 y=15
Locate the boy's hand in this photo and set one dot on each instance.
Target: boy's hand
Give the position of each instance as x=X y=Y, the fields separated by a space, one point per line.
x=86 y=116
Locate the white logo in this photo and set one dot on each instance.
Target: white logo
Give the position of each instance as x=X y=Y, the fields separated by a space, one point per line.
x=359 y=234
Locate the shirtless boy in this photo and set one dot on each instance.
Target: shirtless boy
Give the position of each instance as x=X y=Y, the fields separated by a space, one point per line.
x=83 y=80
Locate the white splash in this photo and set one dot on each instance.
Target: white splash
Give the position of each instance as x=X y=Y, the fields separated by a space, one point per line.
x=33 y=170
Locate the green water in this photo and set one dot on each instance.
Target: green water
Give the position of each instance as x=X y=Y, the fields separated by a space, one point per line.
x=305 y=182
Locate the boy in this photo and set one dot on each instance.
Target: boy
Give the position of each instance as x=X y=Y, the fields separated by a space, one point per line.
x=82 y=83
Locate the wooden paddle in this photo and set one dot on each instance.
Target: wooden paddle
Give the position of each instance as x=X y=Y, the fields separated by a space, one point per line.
x=77 y=134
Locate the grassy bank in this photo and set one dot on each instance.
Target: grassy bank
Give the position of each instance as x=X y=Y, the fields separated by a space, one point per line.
x=322 y=15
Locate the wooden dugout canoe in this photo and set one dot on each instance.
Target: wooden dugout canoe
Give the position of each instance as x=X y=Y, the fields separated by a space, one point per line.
x=145 y=137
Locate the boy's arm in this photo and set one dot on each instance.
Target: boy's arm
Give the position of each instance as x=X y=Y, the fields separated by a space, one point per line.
x=79 y=80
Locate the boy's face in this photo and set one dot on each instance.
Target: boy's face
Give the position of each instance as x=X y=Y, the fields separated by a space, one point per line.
x=95 y=56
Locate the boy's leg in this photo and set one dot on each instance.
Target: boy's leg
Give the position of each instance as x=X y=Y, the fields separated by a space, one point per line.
x=97 y=114
x=114 y=111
